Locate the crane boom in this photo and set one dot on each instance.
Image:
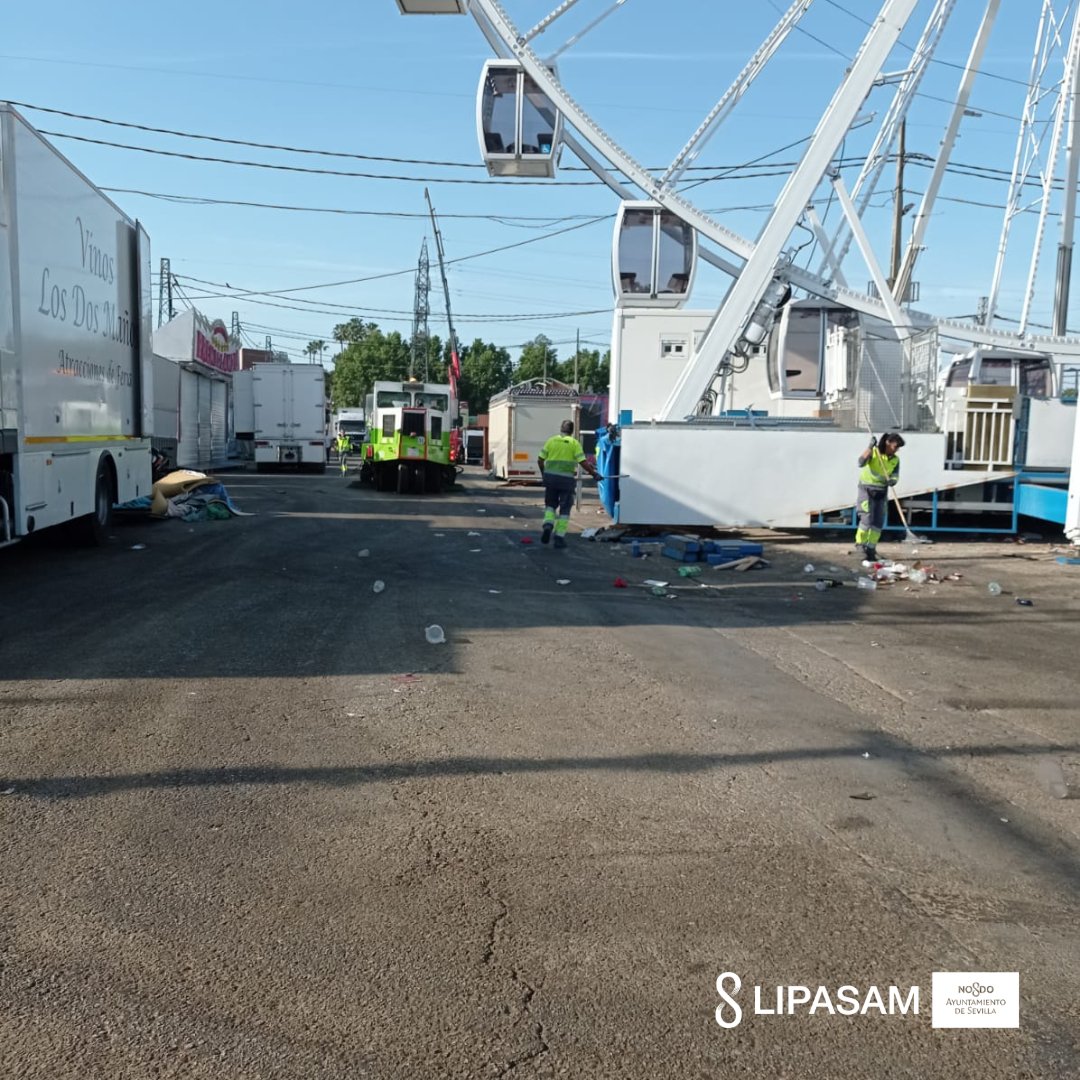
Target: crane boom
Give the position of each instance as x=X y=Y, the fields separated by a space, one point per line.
x=455 y=362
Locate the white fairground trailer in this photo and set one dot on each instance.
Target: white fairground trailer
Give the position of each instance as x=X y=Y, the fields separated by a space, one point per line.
x=522 y=419
x=76 y=401
x=286 y=404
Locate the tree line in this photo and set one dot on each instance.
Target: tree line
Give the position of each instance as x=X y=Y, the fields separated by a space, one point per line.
x=367 y=354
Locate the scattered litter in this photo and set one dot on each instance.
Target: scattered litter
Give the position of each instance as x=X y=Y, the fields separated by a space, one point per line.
x=747 y=562
x=495 y=592
x=865 y=796
x=588 y=534
x=562 y=581
x=440 y=534
x=138 y=547
x=526 y=539
x=472 y=534
x=619 y=583
x=689 y=571
x=1004 y=820
x=659 y=590
x=919 y=577
x=808 y=568
x=1052 y=777
x=8 y=791
x=1067 y=560
x=866 y=753
x=378 y=586
x=654 y=583
x=834 y=569
x=874 y=645
x=610 y=534
x=475 y=551
x=824 y=583
x=434 y=634
x=481 y=510
x=866 y=583
x=407 y=677
x=363 y=554
x=994 y=589
x=1025 y=602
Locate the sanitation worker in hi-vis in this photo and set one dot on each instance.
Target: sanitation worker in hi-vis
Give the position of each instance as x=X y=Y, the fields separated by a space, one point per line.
x=879 y=470
x=559 y=460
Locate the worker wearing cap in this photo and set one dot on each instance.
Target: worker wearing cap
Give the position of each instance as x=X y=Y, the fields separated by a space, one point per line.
x=879 y=470
x=559 y=460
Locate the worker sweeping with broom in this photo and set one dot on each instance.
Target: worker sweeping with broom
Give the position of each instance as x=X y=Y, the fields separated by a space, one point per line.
x=879 y=470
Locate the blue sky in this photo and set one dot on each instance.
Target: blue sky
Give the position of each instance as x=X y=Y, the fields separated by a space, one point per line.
x=359 y=78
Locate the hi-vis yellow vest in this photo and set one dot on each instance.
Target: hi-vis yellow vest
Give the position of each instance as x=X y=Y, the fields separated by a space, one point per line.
x=878 y=469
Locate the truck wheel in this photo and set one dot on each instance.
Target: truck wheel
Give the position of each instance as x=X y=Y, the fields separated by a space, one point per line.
x=92 y=528
x=403 y=479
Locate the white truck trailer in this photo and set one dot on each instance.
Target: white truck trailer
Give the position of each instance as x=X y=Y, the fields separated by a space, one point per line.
x=76 y=396
x=288 y=413
x=522 y=419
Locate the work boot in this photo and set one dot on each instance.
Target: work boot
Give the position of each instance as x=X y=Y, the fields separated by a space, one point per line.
x=560 y=541
x=545 y=532
x=871 y=552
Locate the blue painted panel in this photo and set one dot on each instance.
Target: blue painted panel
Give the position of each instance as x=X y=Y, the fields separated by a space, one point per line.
x=1044 y=503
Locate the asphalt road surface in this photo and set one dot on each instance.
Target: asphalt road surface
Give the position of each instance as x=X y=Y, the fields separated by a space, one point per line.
x=253 y=825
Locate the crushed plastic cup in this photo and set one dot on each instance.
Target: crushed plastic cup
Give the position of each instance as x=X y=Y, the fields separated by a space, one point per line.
x=994 y=589
x=689 y=571
x=378 y=586
x=658 y=590
x=562 y=581
x=866 y=583
x=138 y=547
x=918 y=576
x=434 y=634
x=808 y=568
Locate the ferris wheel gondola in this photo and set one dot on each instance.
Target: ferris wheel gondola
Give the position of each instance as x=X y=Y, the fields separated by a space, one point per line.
x=653 y=256
x=516 y=122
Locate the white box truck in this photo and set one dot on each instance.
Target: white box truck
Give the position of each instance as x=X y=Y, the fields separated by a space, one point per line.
x=288 y=413
x=76 y=375
x=521 y=420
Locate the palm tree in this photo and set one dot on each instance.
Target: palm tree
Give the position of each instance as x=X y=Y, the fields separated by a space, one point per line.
x=317 y=346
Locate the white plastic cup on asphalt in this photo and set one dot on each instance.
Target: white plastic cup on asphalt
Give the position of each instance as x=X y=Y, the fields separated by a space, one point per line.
x=434 y=634
x=378 y=586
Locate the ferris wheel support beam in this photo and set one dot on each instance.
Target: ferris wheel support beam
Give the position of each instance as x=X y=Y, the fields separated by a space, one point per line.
x=720 y=111
x=900 y=321
x=1047 y=173
x=760 y=267
x=1068 y=210
x=1027 y=147
x=945 y=149
x=908 y=83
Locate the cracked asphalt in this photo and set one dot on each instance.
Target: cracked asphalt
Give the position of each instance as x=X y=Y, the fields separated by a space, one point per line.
x=252 y=825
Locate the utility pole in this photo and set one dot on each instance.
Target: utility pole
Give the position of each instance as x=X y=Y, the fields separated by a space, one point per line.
x=165 y=293
x=898 y=210
x=577 y=354
x=421 y=336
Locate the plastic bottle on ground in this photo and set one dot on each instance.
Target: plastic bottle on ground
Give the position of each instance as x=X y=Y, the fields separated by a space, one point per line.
x=867 y=583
